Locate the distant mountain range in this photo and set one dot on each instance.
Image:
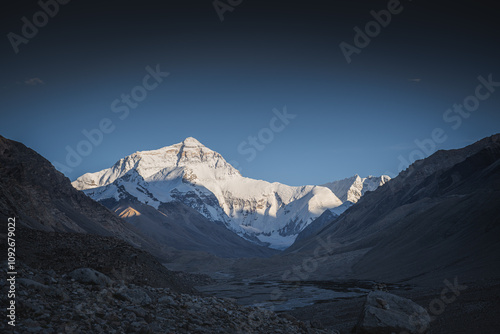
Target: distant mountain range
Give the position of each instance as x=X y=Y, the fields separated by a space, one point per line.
x=269 y=214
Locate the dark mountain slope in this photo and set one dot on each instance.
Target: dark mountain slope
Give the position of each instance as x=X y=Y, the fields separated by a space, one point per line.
x=317 y=225
x=181 y=227
x=65 y=252
x=42 y=198
x=440 y=217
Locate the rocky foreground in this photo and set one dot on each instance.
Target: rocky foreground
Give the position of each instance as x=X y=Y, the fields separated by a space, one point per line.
x=86 y=301
x=82 y=283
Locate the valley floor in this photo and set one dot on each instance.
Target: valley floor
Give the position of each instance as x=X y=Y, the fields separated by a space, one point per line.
x=475 y=310
x=338 y=305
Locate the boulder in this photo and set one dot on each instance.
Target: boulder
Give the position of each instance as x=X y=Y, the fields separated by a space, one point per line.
x=32 y=284
x=136 y=296
x=90 y=276
x=385 y=313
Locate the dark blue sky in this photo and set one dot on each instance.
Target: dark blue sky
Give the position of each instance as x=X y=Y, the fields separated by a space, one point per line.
x=225 y=79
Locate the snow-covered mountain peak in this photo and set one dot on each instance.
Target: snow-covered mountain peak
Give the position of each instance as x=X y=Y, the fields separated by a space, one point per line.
x=189 y=150
x=192 y=142
x=352 y=188
x=188 y=159
x=189 y=172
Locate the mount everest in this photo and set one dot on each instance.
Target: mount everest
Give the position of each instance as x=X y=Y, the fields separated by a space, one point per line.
x=270 y=214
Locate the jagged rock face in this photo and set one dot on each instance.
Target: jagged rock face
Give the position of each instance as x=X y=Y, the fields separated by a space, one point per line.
x=351 y=189
x=188 y=172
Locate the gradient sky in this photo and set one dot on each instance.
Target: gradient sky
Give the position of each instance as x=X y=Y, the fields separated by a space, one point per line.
x=227 y=77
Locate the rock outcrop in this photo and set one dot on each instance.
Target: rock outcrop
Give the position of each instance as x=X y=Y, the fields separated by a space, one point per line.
x=385 y=313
